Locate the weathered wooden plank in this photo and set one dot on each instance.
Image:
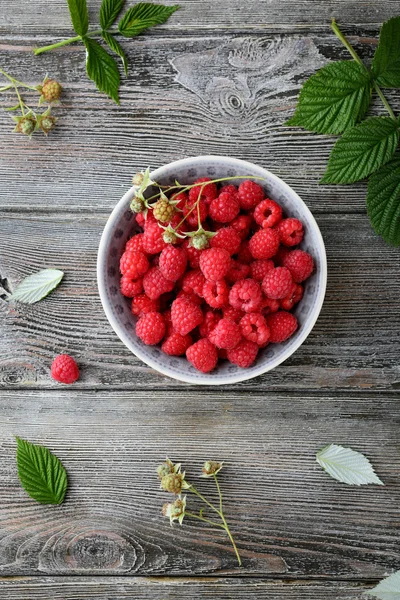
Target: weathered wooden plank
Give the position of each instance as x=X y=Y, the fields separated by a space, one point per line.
x=140 y=588
x=289 y=518
x=186 y=96
x=24 y=17
x=362 y=304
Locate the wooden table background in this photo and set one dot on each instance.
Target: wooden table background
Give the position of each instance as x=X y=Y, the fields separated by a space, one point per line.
x=219 y=77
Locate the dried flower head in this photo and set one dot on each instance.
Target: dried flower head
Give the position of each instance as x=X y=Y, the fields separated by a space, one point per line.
x=175 y=510
x=25 y=125
x=167 y=467
x=137 y=179
x=50 y=90
x=47 y=123
x=211 y=467
x=174 y=483
x=137 y=205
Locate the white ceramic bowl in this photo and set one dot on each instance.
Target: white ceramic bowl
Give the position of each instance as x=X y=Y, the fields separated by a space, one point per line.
x=120 y=227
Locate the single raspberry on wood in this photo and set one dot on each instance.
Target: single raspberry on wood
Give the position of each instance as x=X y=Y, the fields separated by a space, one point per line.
x=64 y=369
x=226 y=334
x=133 y=264
x=282 y=325
x=246 y=295
x=291 y=232
x=203 y=355
x=215 y=263
x=155 y=284
x=300 y=264
x=277 y=283
x=267 y=213
x=228 y=239
x=173 y=262
x=216 y=293
x=143 y=304
x=185 y=315
x=264 y=243
x=250 y=194
x=151 y=328
x=208 y=193
x=254 y=328
x=176 y=344
x=224 y=208
x=244 y=354
x=130 y=287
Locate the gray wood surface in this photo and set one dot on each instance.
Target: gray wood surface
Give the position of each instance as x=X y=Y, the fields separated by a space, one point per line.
x=220 y=78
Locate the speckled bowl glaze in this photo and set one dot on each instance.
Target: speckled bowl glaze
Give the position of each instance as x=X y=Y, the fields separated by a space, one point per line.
x=121 y=225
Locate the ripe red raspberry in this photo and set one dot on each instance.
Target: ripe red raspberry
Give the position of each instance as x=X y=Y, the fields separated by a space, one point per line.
x=234 y=314
x=193 y=254
x=294 y=296
x=181 y=199
x=176 y=344
x=259 y=268
x=64 y=369
x=153 y=241
x=216 y=293
x=280 y=255
x=190 y=296
x=155 y=284
x=203 y=355
x=149 y=219
x=224 y=208
x=250 y=194
x=135 y=243
x=140 y=220
x=193 y=282
x=226 y=334
x=172 y=263
x=254 y=328
x=244 y=354
x=211 y=318
x=242 y=225
x=282 y=325
x=290 y=231
x=143 y=304
x=300 y=264
x=246 y=295
x=168 y=321
x=192 y=213
x=209 y=191
x=277 y=283
x=130 y=287
x=215 y=263
x=244 y=255
x=237 y=271
x=264 y=243
x=268 y=306
x=185 y=315
x=268 y=213
x=228 y=239
x=229 y=189
x=150 y=328
x=133 y=264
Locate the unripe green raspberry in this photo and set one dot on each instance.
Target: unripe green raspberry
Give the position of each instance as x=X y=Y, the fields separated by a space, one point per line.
x=172 y=482
x=26 y=125
x=47 y=124
x=137 y=205
x=200 y=241
x=211 y=467
x=165 y=469
x=164 y=210
x=51 y=90
x=169 y=237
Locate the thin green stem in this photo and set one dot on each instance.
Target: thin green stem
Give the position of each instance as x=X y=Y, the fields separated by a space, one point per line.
x=213 y=523
x=21 y=104
x=384 y=101
x=6 y=87
x=71 y=40
x=219 y=492
x=232 y=540
x=195 y=491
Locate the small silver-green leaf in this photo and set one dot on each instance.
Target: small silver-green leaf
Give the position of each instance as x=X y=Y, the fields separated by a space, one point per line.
x=42 y=474
x=347 y=465
x=387 y=589
x=37 y=286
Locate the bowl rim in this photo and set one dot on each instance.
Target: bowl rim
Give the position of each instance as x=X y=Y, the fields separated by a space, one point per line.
x=241 y=375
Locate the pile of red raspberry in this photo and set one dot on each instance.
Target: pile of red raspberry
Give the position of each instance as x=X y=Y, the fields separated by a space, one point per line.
x=228 y=300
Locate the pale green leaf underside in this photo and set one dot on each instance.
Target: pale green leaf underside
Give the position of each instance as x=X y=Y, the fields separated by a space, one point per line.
x=109 y=10
x=362 y=150
x=142 y=16
x=37 y=286
x=333 y=99
x=42 y=474
x=386 y=62
x=117 y=48
x=383 y=201
x=79 y=16
x=347 y=466
x=102 y=69
x=387 y=589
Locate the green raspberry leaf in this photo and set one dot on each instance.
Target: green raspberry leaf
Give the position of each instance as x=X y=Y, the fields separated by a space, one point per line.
x=42 y=474
x=347 y=465
x=109 y=10
x=362 y=150
x=334 y=99
x=142 y=16
x=386 y=62
x=383 y=201
x=79 y=16
x=117 y=48
x=37 y=286
x=388 y=588
x=102 y=69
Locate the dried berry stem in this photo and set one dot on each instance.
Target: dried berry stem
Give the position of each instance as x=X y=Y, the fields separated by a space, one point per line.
x=213 y=523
